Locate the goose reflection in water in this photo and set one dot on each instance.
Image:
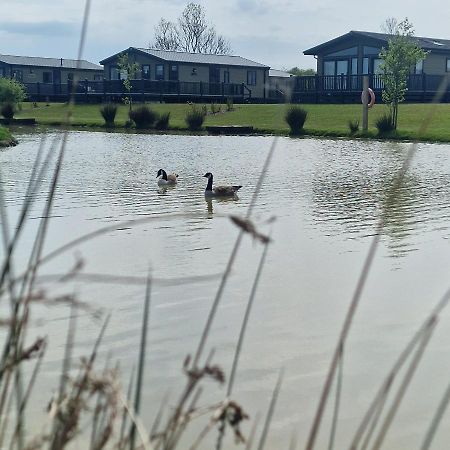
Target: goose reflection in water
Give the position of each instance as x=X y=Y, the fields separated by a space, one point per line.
x=210 y=201
x=163 y=190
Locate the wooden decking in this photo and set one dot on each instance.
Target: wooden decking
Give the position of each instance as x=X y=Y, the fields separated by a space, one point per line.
x=141 y=90
x=347 y=88
x=305 y=89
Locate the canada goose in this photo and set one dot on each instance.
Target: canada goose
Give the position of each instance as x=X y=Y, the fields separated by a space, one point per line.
x=219 y=191
x=166 y=180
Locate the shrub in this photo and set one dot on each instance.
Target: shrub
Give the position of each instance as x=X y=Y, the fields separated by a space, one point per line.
x=195 y=117
x=143 y=116
x=162 y=122
x=11 y=91
x=5 y=136
x=295 y=118
x=108 y=113
x=215 y=108
x=8 y=110
x=230 y=105
x=384 y=124
x=353 y=125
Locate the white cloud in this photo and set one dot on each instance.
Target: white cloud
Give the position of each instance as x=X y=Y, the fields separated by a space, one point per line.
x=251 y=7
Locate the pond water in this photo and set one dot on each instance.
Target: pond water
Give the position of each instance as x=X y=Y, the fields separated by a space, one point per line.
x=326 y=196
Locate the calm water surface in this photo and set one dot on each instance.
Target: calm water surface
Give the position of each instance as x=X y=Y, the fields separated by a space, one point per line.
x=326 y=196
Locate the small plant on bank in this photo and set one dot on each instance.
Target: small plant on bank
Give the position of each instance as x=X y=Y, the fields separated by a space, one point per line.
x=162 y=122
x=143 y=117
x=215 y=108
x=129 y=69
x=295 y=118
x=11 y=91
x=353 y=126
x=8 y=110
x=195 y=117
x=6 y=139
x=230 y=105
x=108 y=113
x=384 y=124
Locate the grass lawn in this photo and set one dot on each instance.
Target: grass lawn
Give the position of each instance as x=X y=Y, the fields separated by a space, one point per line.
x=326 y=120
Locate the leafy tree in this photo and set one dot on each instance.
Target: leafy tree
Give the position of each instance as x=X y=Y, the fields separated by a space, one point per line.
x=11 y=91
x=192 y=33
x=127 y=72
x=301 y=72
x=400 y=56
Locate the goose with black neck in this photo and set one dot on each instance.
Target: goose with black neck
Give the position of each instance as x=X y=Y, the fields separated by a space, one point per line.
x=219 y=191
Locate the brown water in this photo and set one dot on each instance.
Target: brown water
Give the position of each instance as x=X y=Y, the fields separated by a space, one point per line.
x=326 y=196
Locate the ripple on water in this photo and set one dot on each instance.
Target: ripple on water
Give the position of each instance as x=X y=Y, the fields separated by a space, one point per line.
x=327 y=197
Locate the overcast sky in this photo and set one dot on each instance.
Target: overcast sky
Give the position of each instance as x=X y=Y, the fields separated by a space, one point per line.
x=272 y=32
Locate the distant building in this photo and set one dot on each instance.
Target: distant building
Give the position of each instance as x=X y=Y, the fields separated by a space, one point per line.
x=188 y=73
x=342 y=63
x=31 y=69
x=281 y=84
x=357 y=53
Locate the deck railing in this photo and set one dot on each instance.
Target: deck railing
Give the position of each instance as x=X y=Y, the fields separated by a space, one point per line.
x=333 y=83
x=144 y=88
x=312 y=88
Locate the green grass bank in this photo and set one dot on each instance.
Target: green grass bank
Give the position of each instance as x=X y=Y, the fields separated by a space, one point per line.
x=322 y=120
x=6 y=138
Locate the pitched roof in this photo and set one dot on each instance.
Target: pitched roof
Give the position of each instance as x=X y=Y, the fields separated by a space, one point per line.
x=49 y=62
x=279 y=73
x=426 y=43
x=194 y=58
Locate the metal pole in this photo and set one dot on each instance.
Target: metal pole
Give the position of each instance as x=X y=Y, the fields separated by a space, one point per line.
x=365 y=101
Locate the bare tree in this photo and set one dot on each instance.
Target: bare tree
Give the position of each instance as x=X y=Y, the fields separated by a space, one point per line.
x=191 y=34
x=390 y=26
x=166 y=36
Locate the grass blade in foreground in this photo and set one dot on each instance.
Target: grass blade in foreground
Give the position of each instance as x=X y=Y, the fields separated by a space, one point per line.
x=241 y=339
x=232 y=257
x=363 y=278
x=270 y=412
x=436 y=420
x=141 y=362
x=404 y=385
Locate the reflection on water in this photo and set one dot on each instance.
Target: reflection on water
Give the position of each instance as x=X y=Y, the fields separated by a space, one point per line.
x=356 y=202
x=218 y=200
x=327 y=197
x=163 y=190
x=354 y=198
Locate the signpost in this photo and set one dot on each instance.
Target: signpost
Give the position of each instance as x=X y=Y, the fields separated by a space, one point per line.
x=365 y=95
x=365 y=102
